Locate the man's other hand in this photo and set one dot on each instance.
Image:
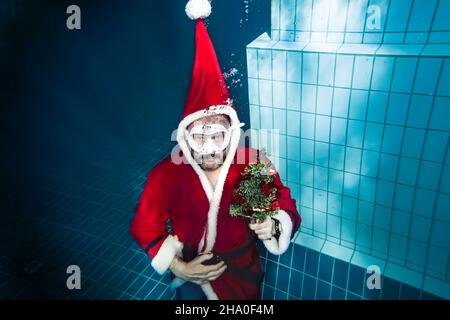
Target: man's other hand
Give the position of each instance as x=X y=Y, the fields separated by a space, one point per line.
x=195 y=271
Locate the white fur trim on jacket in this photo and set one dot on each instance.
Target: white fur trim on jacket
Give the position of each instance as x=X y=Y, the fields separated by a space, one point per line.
x=280 y=246
x=209 y=292
x=168 y=250
x=214 y=195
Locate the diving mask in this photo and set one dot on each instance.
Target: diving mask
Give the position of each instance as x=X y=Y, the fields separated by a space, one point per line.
x=210 y=138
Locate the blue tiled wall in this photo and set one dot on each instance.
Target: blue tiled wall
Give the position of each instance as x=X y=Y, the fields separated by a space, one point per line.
x=363 y=126
x=351 y=21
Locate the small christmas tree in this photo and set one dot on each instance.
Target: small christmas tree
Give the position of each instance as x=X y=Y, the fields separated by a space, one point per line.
x=255 y=198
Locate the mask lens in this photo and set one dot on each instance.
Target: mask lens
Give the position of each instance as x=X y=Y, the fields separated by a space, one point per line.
x=208 y=139
x=218 y=139
x=198 y=140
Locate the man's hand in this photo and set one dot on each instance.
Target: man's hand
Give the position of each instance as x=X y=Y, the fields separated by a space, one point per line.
x=263 y=230
x=195 y=271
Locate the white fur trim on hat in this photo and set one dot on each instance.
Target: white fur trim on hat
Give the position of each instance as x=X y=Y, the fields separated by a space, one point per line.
x=280 y=246
x=198 y=9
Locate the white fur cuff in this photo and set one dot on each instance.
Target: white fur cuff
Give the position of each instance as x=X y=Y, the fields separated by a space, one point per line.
x=280 y=246
x=168 y=250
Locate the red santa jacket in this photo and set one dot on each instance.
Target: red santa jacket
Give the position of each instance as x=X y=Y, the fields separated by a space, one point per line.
x=177 y=215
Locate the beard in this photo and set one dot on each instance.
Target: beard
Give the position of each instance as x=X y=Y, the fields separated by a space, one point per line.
x=210 y=162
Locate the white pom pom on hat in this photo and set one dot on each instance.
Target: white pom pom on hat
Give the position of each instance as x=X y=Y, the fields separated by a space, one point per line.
x=198 y=9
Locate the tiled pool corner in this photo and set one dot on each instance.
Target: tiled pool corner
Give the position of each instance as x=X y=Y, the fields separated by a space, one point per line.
x=361 y=120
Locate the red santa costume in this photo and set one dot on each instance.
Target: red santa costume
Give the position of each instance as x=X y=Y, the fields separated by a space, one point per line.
x=181 y=214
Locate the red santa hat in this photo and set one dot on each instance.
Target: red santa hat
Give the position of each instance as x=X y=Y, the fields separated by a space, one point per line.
x=208 y=95
x=208 y=87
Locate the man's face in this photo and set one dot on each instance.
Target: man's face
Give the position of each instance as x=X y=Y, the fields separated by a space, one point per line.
x=213 y=161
